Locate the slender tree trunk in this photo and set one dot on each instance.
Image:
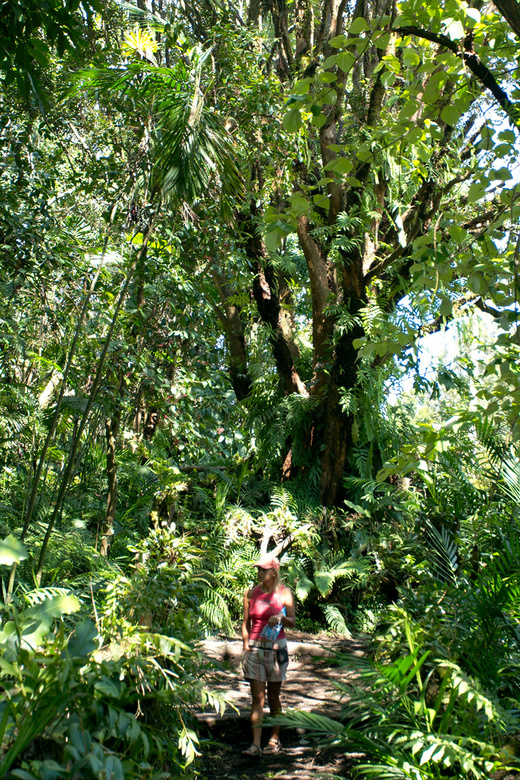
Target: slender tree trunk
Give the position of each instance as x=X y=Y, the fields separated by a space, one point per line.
x=57 y=410
x=71 y=463
x=112 y=432
x=111 y=429
x=229 y=316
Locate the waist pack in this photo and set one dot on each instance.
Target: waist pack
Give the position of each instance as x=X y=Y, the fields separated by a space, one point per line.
x=282 y=655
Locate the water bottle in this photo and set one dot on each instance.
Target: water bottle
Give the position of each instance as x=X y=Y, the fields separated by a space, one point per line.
x=271 y=632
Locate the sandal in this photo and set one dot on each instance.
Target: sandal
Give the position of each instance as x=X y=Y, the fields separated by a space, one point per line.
x=273 y=747
x=253 y=752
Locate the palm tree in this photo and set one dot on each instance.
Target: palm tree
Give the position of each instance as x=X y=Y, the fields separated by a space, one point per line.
x=179 y=149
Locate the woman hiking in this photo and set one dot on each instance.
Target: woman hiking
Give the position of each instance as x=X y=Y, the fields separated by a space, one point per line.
x=268 y=606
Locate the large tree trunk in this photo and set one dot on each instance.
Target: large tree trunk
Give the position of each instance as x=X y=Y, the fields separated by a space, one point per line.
x=338 y=425
x=337 y=441
x=266 y=292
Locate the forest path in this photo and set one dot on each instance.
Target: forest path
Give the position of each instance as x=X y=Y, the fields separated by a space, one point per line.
x=309 y=687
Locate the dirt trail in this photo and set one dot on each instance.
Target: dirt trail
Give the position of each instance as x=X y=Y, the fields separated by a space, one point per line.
x=309 y=687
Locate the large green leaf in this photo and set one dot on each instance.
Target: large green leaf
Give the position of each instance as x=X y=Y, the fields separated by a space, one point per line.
x=84 y=640
x=54 y=607
x=12 y=551
x=292 y=120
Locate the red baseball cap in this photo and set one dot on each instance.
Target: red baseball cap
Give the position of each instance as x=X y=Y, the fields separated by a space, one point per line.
x=268 y=561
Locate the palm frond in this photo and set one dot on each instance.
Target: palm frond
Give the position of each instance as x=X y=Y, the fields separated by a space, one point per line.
x=186 y=143
x=510 y=472
x=443 y=552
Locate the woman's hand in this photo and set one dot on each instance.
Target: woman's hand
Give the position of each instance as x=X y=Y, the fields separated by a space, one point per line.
x=275 y=619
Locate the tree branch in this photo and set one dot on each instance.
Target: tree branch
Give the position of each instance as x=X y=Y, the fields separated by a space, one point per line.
x=510 y=10
x=486 y=308
x=472 y=60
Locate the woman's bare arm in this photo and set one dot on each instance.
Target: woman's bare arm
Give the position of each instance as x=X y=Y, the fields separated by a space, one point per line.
x=246 y=620
x=288 y=620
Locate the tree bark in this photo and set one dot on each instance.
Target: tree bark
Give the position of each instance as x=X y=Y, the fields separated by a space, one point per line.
x=229 y=316
x=112 y=431
x=510 y=10
x=266 y=295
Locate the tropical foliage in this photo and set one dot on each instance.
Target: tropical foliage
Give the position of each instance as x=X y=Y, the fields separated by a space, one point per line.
x=227 y=231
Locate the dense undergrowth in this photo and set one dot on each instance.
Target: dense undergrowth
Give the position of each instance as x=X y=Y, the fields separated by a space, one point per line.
x=179 y=387
x=99 y=668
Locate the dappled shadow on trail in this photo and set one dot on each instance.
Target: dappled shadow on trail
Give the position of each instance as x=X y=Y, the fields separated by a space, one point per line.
x=310 y=686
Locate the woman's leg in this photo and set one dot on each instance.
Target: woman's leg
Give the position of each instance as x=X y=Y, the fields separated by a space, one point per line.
x=257 y=709
x=275 y=705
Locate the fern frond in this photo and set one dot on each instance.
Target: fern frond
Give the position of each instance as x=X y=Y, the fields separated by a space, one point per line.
x=310 y=721
x=336 y=621
x=214 y=609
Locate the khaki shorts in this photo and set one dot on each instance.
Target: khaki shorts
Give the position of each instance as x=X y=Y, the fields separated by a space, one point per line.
x=262 y=664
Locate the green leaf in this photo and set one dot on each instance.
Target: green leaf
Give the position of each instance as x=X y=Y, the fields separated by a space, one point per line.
x=292 y=120
x=458 y=233
x=84 y=639
x=476 y=191
x=433 y=87
x=107 y=687
x=302 y=86
x=455 y=29
x=446 y=308
x=54 y=607
x=319 y=120
x=474 y=14
x=450 y=115
x=338 y=41
x=330 y=61
x=303 y=586
x=312 y=722
x=327 y=78
x=324 y=581
x=80 y=739
x=345 y=61
x=34 y=631
x=339 y=165
x=321 y=201
x=502 y=174
x=273 y=239
x=410 y=58
x=475 y=283
x=358 y=25
x=381 y=41
x=388 y=78
x=12 y=551
x=425 y=757
x=330 y=97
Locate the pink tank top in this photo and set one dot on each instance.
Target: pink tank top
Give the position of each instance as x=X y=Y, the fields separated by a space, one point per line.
x=261 y=607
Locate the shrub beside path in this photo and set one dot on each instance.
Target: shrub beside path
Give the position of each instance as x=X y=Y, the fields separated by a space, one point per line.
x=309 y=687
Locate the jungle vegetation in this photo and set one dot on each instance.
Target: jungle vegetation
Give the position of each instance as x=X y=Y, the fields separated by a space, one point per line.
x=227 y=230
